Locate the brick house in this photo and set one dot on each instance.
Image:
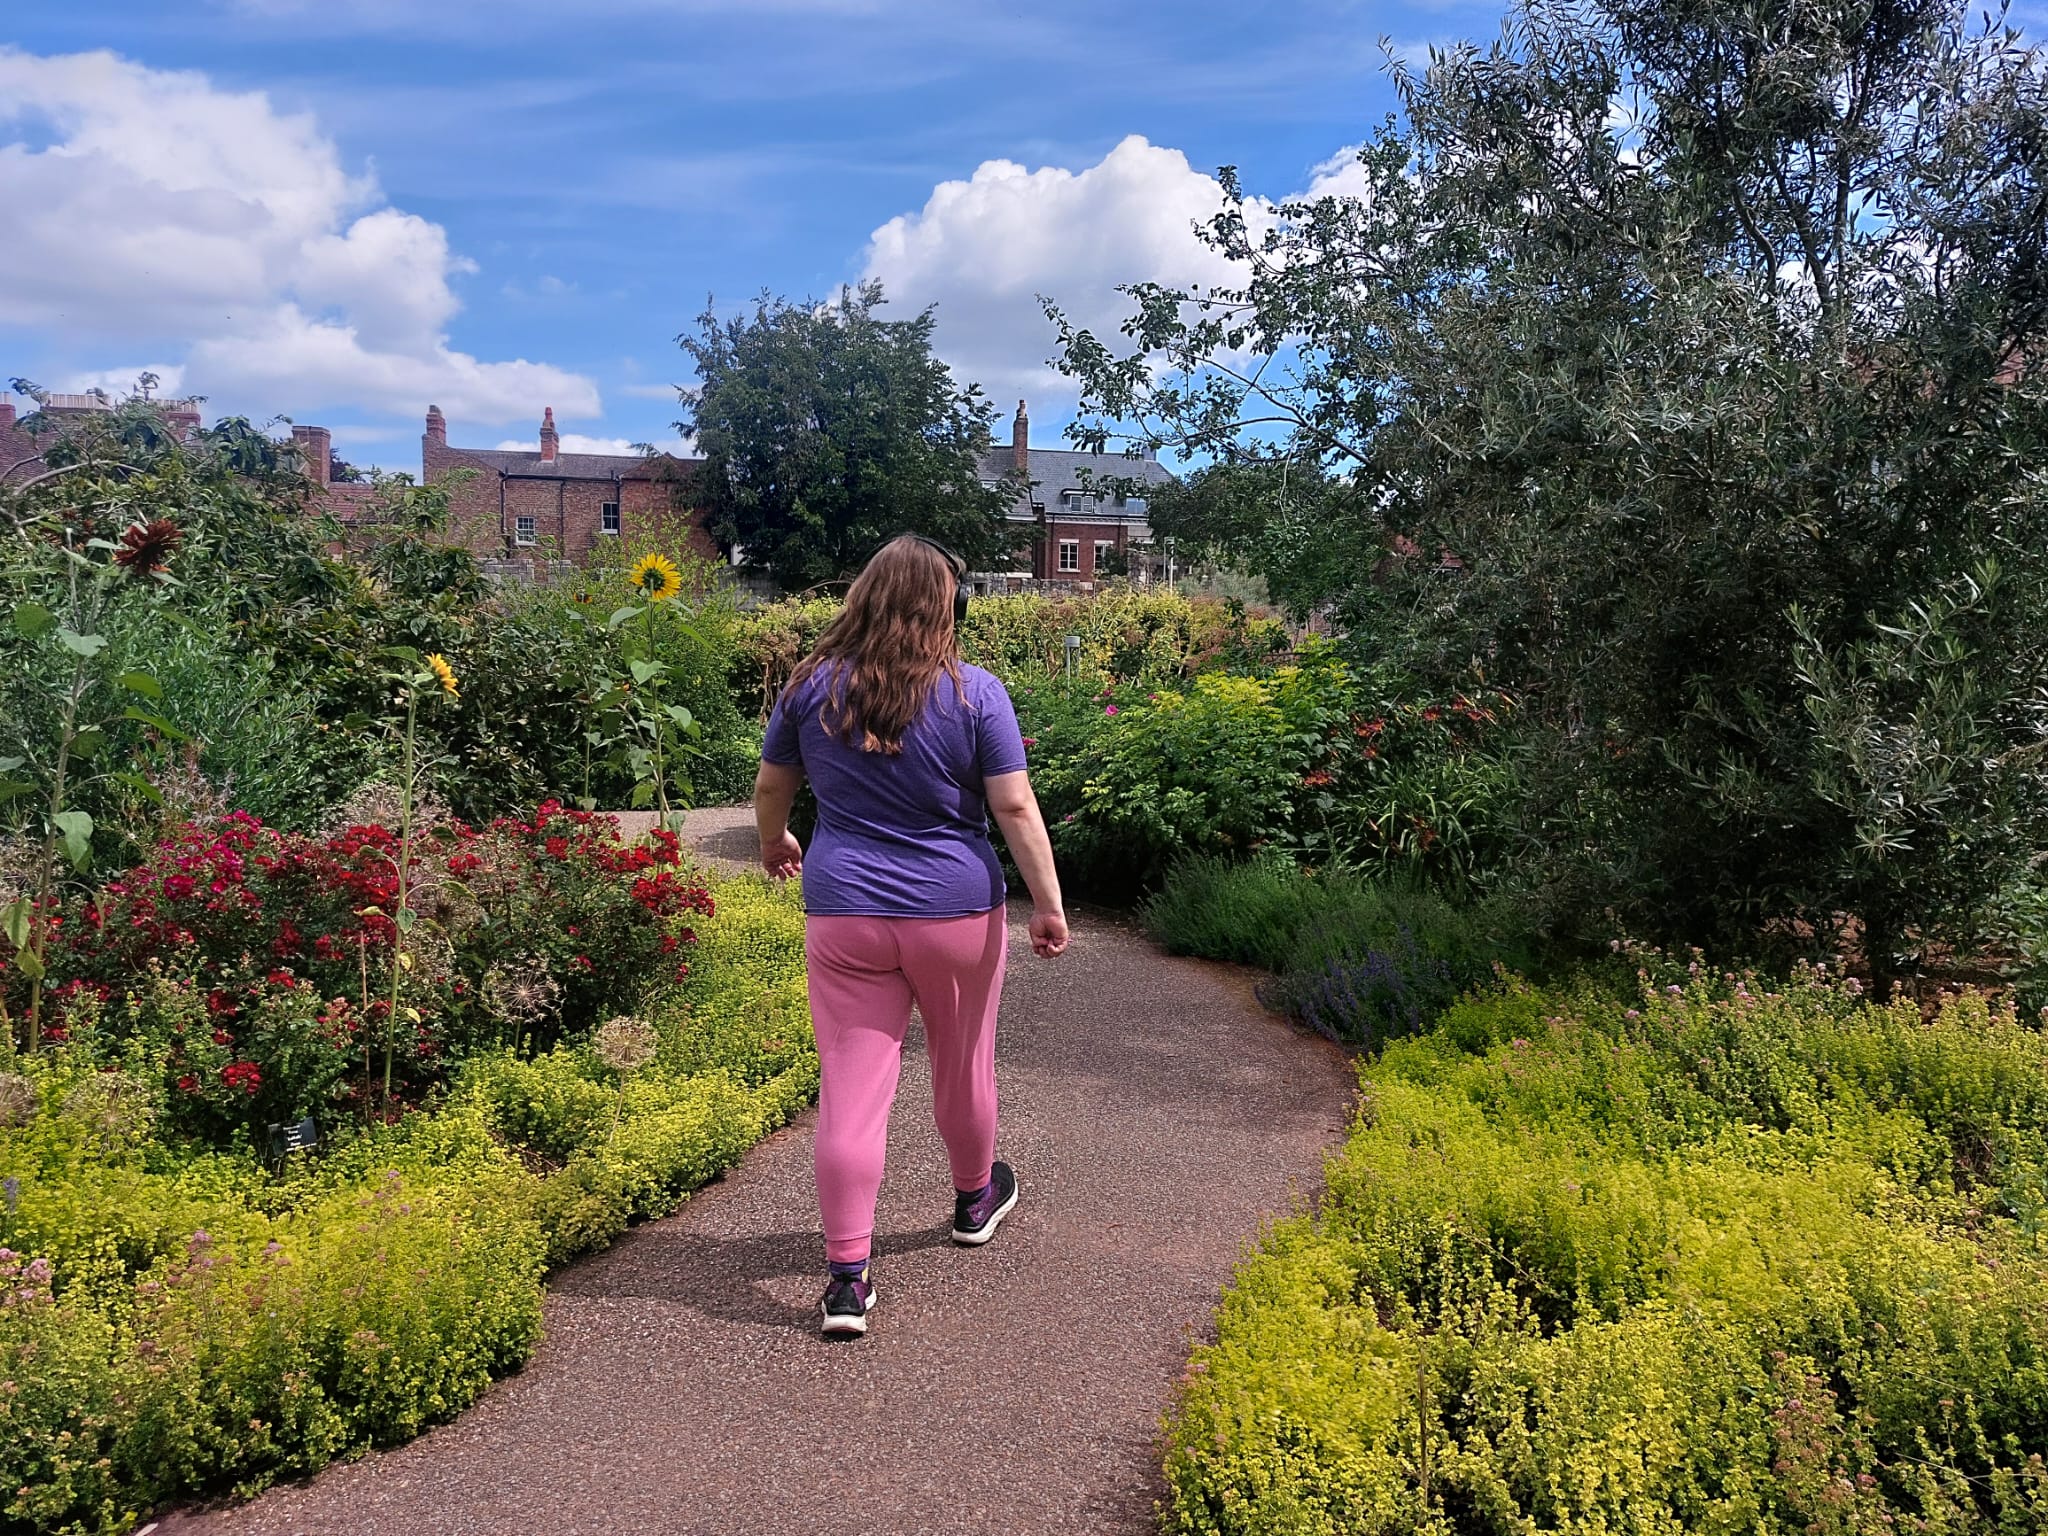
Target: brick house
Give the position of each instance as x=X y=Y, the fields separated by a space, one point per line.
x=529 y=505
x=21 y=453
x=1082 y=528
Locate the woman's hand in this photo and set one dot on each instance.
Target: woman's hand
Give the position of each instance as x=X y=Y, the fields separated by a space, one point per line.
x=782 y=857
x=775 y=788
x=1016 y=811
x=1048 y=933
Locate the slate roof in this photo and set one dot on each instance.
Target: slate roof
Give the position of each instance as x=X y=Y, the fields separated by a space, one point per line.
x=1054 y=470
x=570 y=466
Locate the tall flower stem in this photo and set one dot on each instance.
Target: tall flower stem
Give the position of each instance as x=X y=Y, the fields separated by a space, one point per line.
x=363 y=973
x=46 y=880
x=659 y=715
x=402 y=911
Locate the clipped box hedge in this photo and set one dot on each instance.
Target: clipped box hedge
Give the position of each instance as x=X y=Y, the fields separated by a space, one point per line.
x=1728 y=1260
x=176 y=1322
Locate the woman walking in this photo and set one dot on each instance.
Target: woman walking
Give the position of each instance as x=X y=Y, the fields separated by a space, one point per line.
x=908 y=750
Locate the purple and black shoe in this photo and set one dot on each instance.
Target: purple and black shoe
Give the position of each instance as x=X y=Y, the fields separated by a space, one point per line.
x=849 y=1298
x=976 y=1216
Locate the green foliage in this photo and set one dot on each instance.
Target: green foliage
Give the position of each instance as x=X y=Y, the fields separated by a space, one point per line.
x=1131 y=782
x=1272 y=516
x=1251 y=911
x=1731 y=1259
x=1708 y=339
x=1127 y=634
x=1360 y=960
x=176 y=1322
x=825 y=429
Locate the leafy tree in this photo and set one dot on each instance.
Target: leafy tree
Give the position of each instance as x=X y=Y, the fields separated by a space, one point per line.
x=825 y=429
x=1711 y=338
x=1289 y=522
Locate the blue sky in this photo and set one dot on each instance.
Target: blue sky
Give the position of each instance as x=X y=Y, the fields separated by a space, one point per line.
x=339 y=209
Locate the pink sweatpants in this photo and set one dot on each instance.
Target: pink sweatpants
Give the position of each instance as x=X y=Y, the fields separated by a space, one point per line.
x=865 y=973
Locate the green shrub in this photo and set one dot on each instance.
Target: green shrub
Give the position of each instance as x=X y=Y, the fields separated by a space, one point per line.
x=176 y=1320
x=1128 y=636
x=1251 y=911
x=1731 y=1259
x=1359 y=960
x=1132 y=783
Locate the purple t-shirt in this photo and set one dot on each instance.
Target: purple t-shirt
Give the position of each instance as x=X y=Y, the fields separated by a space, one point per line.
x=902 y=835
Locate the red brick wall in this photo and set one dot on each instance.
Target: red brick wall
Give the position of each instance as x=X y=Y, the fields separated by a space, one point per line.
x=16 y=445
x=567 y=513
x=1046 y=556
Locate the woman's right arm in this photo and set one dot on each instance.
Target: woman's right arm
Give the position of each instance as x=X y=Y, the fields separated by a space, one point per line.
x=1015 y=808
x=775 y=788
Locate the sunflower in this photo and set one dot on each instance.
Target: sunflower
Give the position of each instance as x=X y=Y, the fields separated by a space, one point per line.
x=438 y=665
x=657 y=578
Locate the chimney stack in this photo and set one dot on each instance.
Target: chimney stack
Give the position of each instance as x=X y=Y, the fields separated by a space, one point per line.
x=1020 y=443
x=6 y=410
x=316 y=449
x=549 y=443
x=183 y=419
x=437 y=425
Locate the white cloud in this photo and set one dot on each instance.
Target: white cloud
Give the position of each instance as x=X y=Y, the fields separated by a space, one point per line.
x=150 y=205
x=576 y=442
x=1342 y=175
x=122 y=382
x=984 y=248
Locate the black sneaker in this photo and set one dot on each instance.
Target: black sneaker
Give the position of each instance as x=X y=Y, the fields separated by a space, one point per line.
x=976 y=1217
x=848 y=1301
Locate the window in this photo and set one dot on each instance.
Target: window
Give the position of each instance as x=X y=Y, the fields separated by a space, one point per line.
x=523 y=530
x=1104 y=550
x=608 y=517
x=1070 y=554
x=1073 y=501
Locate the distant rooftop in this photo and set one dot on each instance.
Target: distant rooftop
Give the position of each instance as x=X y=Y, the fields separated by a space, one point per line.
x=100 y=400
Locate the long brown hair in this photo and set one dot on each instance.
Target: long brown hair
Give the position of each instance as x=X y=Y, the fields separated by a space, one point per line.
x=887 y=647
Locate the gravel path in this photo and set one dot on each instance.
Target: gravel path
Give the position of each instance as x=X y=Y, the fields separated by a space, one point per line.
x=1155 y=1115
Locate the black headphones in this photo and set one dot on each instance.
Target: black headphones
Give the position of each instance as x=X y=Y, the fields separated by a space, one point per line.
x=961 y=591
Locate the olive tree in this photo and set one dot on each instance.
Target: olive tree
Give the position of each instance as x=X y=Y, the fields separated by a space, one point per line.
x=1710 y=338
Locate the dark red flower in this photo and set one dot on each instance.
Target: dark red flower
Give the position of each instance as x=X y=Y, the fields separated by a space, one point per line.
x=146 y=548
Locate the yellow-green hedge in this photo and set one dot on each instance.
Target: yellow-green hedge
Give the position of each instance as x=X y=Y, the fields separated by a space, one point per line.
x=1128 y=634
x=175 y=1322
x=1729 y=1260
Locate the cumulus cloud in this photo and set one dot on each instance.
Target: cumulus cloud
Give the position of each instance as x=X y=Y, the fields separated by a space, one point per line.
x=150 y=205
x=983 y=249
x=1342 y=175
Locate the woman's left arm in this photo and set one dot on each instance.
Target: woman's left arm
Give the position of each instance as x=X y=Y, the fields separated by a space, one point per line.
x=775 y=788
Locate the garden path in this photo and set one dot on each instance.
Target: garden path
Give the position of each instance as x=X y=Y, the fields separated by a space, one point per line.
x=1156 y=1115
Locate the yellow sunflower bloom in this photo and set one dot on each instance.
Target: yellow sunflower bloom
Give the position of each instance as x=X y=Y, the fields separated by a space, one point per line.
x=438 y=665
x=657 y=578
